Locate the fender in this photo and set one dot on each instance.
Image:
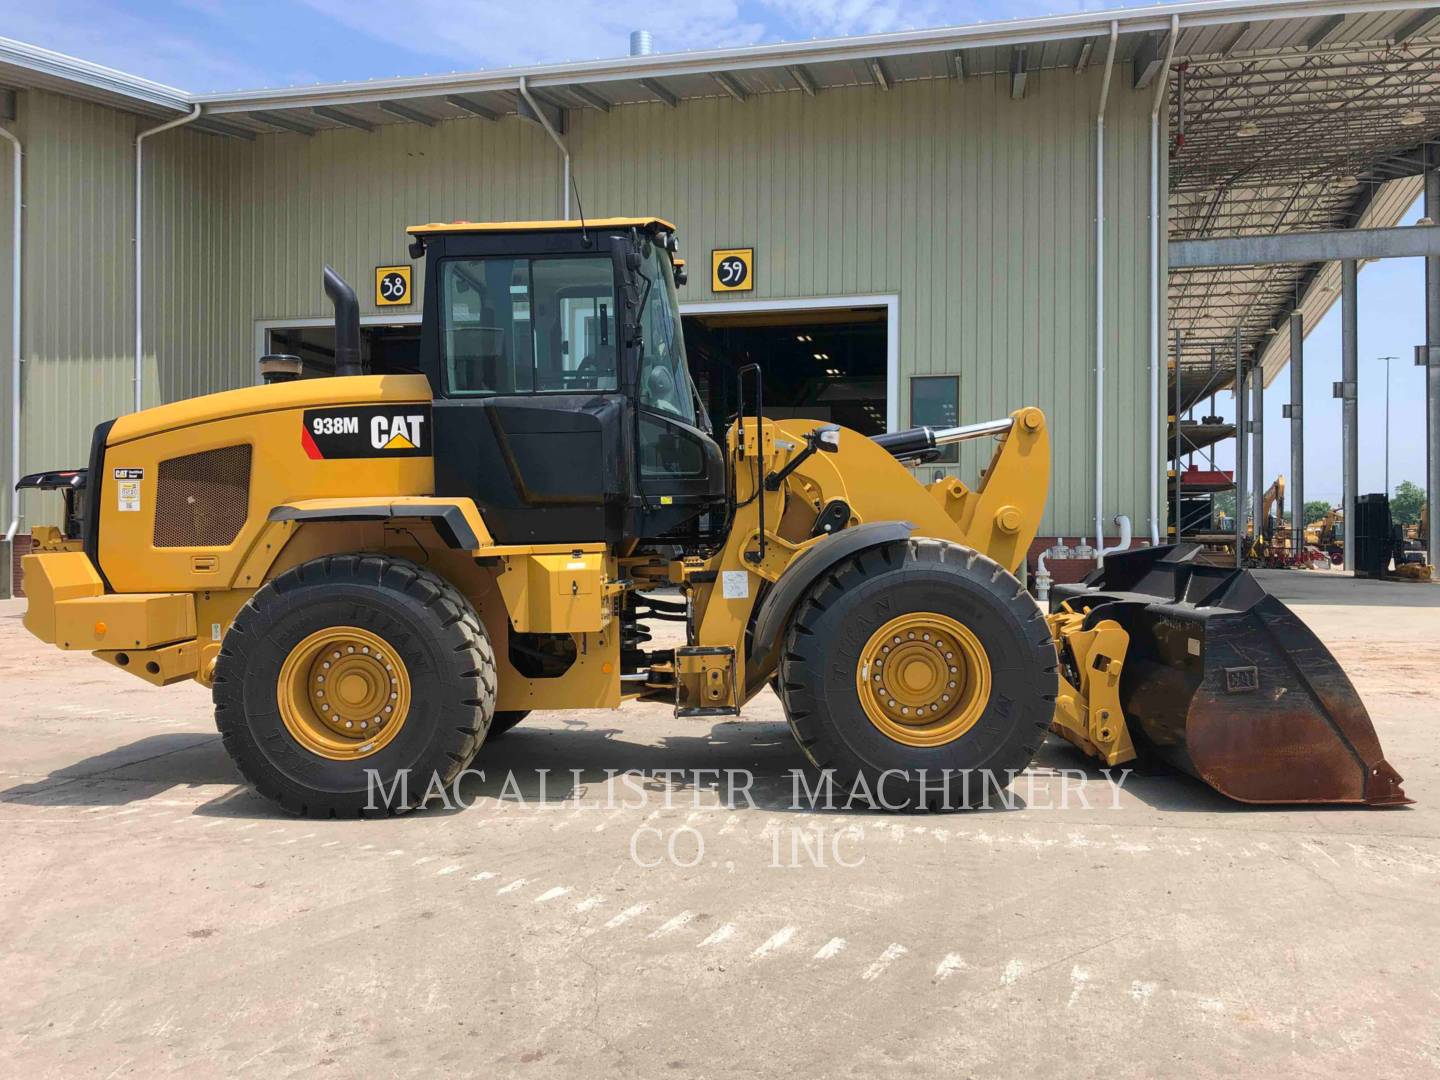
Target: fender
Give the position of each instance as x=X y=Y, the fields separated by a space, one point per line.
x=808 y=567
x=458 y=521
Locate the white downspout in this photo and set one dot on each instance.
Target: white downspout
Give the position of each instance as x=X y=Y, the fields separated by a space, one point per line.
x=1161 y=81
x=1122 y=522
x=140 y=245
x=545 y=123
x=1100 y=299
x=15 y=314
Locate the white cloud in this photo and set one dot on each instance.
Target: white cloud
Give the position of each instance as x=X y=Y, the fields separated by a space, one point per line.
x=483 y=33
x=839 y=18
x=835 y=18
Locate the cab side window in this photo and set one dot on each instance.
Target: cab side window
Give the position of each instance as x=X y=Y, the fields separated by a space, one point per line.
x=520 y=326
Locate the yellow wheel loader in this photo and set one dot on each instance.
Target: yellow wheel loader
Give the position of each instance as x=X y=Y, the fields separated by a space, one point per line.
x=375 y=573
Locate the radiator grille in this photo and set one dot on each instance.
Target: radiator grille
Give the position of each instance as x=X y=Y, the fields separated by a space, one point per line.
x=202 y=499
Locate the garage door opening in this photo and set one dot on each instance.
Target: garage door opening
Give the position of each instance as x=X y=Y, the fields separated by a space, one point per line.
x=389 y=349
x=827 y=364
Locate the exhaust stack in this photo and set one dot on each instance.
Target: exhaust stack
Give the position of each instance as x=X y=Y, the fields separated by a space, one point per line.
x=347 y=324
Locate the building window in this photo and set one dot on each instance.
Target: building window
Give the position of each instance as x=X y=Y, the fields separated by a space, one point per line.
x=935 y=403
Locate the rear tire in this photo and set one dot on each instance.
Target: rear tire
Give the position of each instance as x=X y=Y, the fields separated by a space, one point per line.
x=977 y=743
x=425 y=633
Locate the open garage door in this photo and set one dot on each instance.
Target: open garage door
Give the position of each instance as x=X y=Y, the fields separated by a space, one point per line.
x=818 y=363
x=388 y=349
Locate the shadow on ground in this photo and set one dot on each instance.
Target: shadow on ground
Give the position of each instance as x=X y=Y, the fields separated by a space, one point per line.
x=735 y=764
x=132 y=773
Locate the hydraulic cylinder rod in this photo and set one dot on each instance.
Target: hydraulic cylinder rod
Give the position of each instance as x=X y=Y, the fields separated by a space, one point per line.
x=916 y=441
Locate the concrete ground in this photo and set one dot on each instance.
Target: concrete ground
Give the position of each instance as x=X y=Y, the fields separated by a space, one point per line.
x=157 y=917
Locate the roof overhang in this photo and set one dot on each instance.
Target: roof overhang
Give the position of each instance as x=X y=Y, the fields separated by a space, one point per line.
x=25 y=66
x=1057 y=41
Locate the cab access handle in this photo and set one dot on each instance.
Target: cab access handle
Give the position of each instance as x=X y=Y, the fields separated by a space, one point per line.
x=747 y=369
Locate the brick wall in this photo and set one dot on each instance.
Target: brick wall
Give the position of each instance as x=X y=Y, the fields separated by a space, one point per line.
x=1065 y=571
x=20 y=548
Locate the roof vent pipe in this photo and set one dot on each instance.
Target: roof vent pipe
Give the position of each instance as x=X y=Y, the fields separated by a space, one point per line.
x=347 y=324
x=641 y=43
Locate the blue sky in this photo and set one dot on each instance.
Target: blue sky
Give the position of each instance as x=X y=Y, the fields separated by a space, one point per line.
x=203 y=45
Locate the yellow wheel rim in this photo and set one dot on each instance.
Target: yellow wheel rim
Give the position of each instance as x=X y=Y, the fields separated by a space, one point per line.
x=924 y=679
x=344 y=694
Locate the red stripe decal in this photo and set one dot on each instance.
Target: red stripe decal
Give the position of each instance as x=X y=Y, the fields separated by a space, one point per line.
x=307 y=441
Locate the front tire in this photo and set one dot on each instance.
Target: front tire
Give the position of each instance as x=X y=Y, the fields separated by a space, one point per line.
x=921 y=673
x=504 y=721
x=348 y=685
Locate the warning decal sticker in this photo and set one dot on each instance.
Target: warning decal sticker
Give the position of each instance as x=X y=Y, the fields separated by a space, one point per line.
x=127 y=489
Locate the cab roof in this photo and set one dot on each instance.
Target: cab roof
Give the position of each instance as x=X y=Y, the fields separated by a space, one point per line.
x=651 y=223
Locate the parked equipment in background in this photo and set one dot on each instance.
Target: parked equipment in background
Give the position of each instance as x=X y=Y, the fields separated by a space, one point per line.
x=1384 y=549
x=376 y=573
x=1271 y=541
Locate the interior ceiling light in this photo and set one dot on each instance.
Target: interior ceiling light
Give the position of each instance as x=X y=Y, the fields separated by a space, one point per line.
x=1248 y=130
x=1413 y=118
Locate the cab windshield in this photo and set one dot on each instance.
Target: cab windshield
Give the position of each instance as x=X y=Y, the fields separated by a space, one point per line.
x=664 y=377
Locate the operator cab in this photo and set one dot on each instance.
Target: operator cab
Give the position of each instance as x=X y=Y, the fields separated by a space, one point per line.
x=563 y=401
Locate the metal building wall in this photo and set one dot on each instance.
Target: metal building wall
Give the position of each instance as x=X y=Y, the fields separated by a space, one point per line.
x=975 y=209
x=288 y=204
x=76 y=344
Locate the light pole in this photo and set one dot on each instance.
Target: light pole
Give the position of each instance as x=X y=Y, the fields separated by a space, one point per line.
x=1387 y=360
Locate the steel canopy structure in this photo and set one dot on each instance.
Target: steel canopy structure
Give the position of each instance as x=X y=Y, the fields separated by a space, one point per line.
x=1328 y=133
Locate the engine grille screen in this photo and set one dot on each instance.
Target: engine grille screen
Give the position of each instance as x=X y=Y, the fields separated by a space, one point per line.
x=202 y=499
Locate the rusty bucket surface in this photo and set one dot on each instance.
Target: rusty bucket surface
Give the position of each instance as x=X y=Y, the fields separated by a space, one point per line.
x=1225 y=682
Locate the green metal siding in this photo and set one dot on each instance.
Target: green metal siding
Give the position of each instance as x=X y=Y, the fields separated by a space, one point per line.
x=77 y=297
x=975 y=210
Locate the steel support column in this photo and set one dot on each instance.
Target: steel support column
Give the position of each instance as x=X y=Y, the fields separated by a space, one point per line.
x=1179 y=445
x=1242 y=436
x=1257 y=449
x=1297 y=433
x=1349 y=379
x=1432 y=369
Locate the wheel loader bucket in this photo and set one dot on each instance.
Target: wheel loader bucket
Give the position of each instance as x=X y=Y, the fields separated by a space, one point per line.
x=1225 y=682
